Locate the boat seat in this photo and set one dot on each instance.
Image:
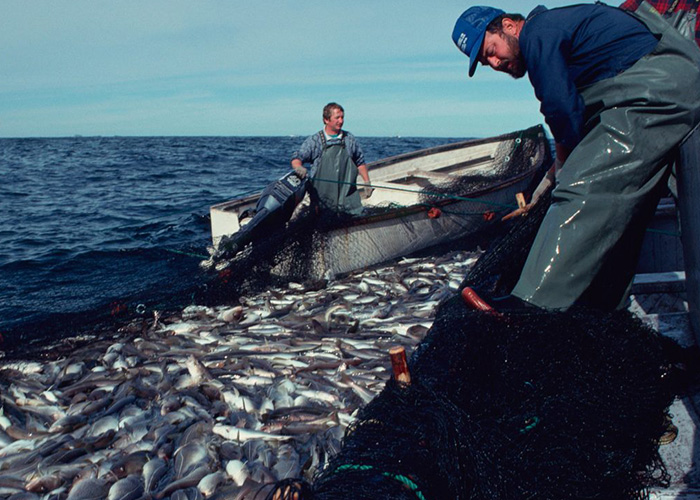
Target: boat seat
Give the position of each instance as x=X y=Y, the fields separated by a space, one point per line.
x=392 y=192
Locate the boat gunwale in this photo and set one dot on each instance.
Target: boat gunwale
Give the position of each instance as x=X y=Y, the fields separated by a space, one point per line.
x=401 y=212
x=441 y=148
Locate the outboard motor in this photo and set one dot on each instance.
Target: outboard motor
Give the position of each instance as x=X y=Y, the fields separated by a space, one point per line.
x=274 y=208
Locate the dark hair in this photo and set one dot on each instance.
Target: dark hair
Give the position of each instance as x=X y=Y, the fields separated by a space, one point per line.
x=496 y=26
x=328 y=109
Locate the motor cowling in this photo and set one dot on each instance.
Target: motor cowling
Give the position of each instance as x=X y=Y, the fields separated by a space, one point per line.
x=274 y=208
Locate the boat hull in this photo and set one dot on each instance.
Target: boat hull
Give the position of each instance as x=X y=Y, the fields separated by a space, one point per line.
x=381 y=239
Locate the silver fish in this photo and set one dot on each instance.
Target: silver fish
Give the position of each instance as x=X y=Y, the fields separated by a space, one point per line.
x=242 y=435
x=89 y=489
x=191 y=479
x=68 y=423
x=44 y=484
x=208 y=485
x=189 y=457
x=287 y=463
x=128 y=488
x=153 y=471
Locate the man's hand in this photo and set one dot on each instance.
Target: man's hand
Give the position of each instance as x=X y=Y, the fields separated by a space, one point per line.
x=546 y=182
x=367 y=191
x=300 y=170
x=518 y=212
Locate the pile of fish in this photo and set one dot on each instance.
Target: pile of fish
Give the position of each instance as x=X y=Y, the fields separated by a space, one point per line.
x=215 y=402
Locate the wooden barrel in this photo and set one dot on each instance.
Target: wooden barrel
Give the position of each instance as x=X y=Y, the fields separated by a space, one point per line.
x=688 y=176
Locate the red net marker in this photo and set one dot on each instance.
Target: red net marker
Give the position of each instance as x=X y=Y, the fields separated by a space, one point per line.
x=399 y=365
x=118 y=308
x=475 y=302
x=225 y=275
x=434 y=213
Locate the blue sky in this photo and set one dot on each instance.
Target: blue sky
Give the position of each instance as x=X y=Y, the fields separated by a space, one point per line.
x=237 y=67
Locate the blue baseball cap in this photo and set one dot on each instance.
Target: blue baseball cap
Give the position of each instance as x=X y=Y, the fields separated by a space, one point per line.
x=470 y=30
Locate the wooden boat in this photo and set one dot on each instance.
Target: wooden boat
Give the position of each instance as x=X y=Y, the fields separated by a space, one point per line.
x=398 y=221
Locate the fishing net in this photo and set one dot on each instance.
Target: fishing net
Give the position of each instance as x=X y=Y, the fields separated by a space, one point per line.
x=532 y=405
x=510 y=159
x=280 y=257
x=528 y=404
x=553 y=406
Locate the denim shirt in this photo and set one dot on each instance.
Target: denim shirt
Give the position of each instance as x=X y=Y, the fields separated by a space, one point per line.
x=569 y=48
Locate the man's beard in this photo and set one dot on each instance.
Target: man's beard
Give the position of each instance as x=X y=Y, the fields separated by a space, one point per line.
x=515 y=67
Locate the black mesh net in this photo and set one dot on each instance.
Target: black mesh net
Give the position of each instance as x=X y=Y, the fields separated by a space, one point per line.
x=566 y=405
x=535 y=405
x=528 y=404
x=510 y=159
x=280 y=257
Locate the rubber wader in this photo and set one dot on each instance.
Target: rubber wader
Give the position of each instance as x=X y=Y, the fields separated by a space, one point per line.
x=587 y=247
x=336 y=177
x=687 y=186
x=688 y=180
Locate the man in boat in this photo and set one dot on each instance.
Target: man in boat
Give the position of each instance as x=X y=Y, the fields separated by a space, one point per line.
x=335 y=158
x=619 y=92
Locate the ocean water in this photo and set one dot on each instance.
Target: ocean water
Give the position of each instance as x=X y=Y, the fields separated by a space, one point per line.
x=95 y=229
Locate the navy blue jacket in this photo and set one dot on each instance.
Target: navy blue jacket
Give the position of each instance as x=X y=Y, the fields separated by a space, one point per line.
x=568 y=48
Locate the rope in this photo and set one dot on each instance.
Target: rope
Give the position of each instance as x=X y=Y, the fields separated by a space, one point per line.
x=406 y=481
x=450 y=212
x=186 y=253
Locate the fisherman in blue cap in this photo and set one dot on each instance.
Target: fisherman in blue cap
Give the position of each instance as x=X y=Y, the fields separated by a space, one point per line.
x=619 y=92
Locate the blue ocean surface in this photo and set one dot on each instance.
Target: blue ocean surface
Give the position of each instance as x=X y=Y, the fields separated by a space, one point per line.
x=94 y=228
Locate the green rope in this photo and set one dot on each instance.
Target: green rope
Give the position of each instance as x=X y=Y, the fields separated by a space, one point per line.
x=406 y=481
x=186 y=253
x=530 y=424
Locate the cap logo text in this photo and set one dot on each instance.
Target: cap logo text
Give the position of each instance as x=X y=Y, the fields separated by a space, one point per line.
x=462 y=42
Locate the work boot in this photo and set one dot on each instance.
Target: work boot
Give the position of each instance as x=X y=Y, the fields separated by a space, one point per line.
x=670 y=431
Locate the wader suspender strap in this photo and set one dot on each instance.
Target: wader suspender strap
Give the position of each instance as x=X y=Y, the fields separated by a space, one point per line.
x=673 y=6
x=342 y=140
